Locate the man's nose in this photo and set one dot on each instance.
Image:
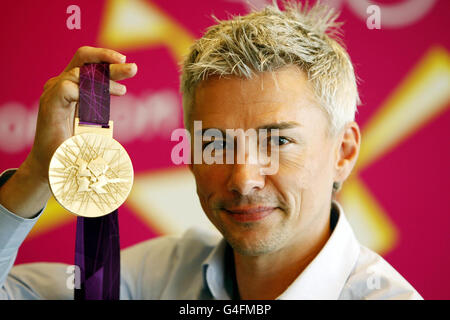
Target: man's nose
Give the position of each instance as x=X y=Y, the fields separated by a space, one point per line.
x=245 y=178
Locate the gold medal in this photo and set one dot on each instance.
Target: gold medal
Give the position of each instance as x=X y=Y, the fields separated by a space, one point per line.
x=90 y=174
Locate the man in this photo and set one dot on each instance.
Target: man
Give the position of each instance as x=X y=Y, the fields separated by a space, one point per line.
x=285 y=237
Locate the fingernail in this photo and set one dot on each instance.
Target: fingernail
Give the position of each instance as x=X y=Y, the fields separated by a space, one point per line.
x=122 y=58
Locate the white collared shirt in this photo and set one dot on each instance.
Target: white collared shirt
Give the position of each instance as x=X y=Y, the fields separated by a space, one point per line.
x=342 y=270
x=199 y=265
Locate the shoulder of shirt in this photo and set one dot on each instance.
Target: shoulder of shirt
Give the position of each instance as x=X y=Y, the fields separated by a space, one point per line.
x=193 y=240
x=156 y=261
x=373 y=278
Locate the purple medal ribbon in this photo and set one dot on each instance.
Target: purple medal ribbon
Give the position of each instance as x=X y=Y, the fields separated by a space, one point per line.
x=97 y=246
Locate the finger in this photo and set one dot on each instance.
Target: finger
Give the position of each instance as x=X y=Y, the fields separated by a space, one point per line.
x=73 y=75
x=88 y=54
x=122 y=71
x=50 y=82
x=117 y=89
x=69 y=92
x=66 y=92
x=117 y=72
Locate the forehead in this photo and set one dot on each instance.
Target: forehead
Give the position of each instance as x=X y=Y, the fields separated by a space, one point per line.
x=234 y=102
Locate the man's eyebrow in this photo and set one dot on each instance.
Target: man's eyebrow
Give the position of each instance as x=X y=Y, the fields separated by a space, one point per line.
x=281 y=125
x=198 y=132
x=276 y=125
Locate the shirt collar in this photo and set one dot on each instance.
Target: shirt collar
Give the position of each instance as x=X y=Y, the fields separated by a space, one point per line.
x=324 y=278
x=214 y=272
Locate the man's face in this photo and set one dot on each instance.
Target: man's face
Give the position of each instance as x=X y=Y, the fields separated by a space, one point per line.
x=260 y=214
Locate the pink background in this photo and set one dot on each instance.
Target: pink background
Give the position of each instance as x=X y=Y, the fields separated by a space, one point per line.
x=410 y=181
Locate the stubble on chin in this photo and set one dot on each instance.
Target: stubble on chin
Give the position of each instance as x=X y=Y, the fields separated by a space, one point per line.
x=258 y=242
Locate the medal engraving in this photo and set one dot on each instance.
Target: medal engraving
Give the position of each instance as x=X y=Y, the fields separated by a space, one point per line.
x=90 y=175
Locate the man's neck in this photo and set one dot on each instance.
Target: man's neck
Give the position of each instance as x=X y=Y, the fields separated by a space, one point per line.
x=265 y=277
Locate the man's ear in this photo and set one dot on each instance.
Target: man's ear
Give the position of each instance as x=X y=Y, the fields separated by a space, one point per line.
x=347 y=151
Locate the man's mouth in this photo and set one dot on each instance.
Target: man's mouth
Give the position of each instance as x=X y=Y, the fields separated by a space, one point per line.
x=249 y=213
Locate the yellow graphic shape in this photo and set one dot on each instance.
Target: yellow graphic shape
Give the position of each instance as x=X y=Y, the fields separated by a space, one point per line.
x=167 y=201
x=131 y=24
x=423 y=95
x=54 y=216
x=370 y=223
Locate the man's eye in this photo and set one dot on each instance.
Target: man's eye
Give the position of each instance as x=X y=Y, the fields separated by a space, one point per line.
x=279 y=141
x=220 y=144
x=217 y=145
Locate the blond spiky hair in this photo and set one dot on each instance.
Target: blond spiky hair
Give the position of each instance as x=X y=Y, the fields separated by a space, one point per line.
x=269 y=39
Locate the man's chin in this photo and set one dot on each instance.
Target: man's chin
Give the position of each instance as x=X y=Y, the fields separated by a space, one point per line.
x=254 y=242
x=251 y=249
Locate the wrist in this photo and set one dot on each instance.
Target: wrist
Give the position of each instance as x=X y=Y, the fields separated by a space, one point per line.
x=34 y=171
x=24 y=193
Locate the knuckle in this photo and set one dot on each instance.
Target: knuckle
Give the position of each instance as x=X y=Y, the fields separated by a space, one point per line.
x=74 y=72
x=105 y=51
x=65 y=84
x=49 y=83
x=82 y=50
